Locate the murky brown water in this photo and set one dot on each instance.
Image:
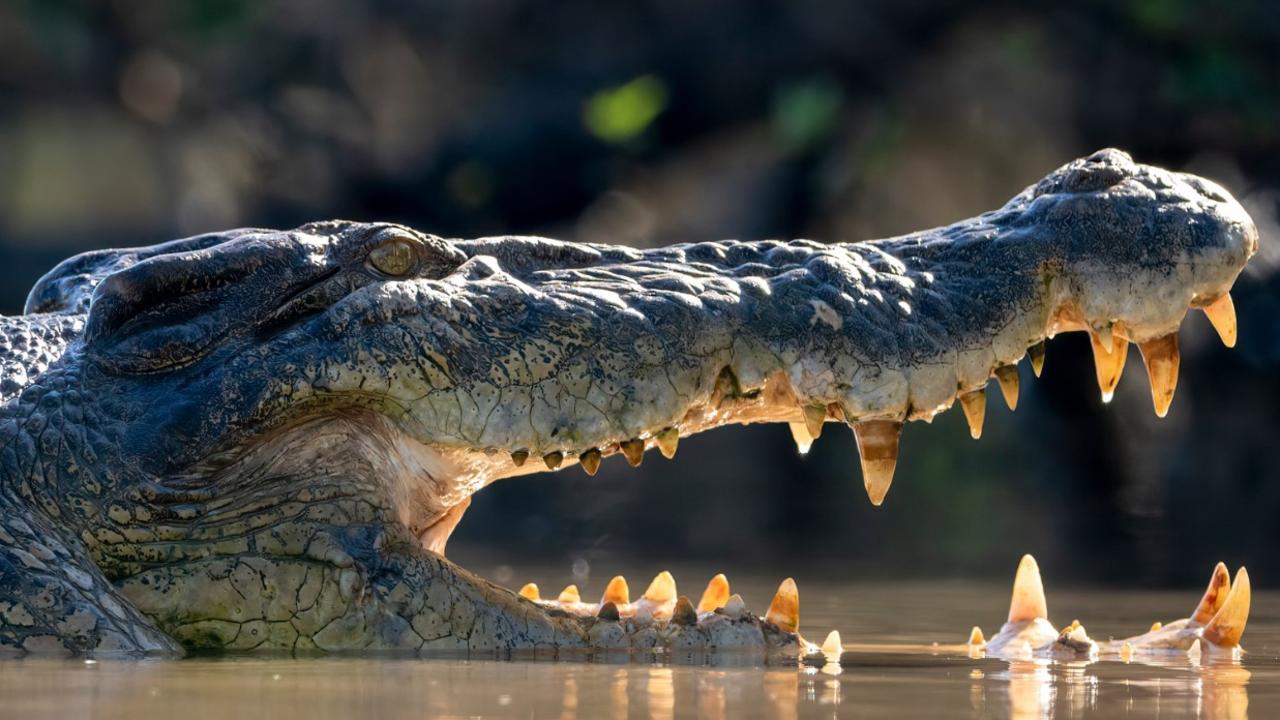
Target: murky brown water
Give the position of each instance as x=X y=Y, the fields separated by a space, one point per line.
x=909 y=680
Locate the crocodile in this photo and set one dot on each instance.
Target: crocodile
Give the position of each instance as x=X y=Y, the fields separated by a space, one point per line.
x=262 y=440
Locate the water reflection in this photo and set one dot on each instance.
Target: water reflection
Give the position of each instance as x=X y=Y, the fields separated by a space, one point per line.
x=1179 y=686
x=902 y=682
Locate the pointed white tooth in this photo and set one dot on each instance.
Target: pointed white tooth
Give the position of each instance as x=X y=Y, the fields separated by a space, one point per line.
x=734 y=607
x=832 y=648
x=1222 y=313
x=800 y=434
x=1028 y=601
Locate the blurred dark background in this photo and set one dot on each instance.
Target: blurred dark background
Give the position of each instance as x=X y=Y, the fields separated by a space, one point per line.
x=127 y=123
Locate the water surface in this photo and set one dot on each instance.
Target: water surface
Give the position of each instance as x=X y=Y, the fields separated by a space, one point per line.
x=890 y=669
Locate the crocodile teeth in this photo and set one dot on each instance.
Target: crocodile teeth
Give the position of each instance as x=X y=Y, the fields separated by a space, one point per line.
x=976 y=637
x=832 y=648
x=1007 y=375
x=617 y=592
x=801 y=435
x=1222 y=313
x=784 y=611
x=814 y=417
x=609 y=612
x=1105 y=336
x=734 y=607
x=974 y=405
x=878 y=448
x=1156 y=626
x=590 y=461
x=518 y=457
x=1162 y=357
x=684 y=614
x=659 y=598
x=569 y=595
x=1108 y=364
x=1028 y=593
x=633 y=450
x=1226 y=627
x=667 y=440
x=530 y=592
x=553 y=459
x=1036 y=353
x=1214 y=596
x=716 y=594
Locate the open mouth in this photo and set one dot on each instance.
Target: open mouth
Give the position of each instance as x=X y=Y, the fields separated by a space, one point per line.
x=426 y=370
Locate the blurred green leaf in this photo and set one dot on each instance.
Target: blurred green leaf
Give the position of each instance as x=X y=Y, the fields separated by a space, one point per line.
x=807 y=111
x=621 y=113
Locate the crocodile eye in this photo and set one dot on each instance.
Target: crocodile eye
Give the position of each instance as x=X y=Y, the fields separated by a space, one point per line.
x=396 y=257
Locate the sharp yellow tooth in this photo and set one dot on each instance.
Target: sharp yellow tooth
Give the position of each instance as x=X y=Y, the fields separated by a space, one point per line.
x=878 y=448
x=667 y=440
x=1008 y=377
x=569 y=594
x=662 y=589
x=784 y=611
x=1222 y=313
x=976 y=637
x=633 y=450
x=590 y=461
x=519 y=456
x=553 y=459
x=617 y=592
x=1028 y=593
x=684 y=613
x=1126 y=651
x=1156 y=626
x=1108 y=364
x=716 y=594
x=974 y=405
x=1226 y=627
x=1162 y=358
x=832 y=648
x=814 y=417
x=1036 y=353
x=609 y=612
x=800 y=434
x=530 y=592
x=1214 y=595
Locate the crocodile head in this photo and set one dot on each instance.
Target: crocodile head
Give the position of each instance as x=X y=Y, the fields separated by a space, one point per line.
x=281 y=429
